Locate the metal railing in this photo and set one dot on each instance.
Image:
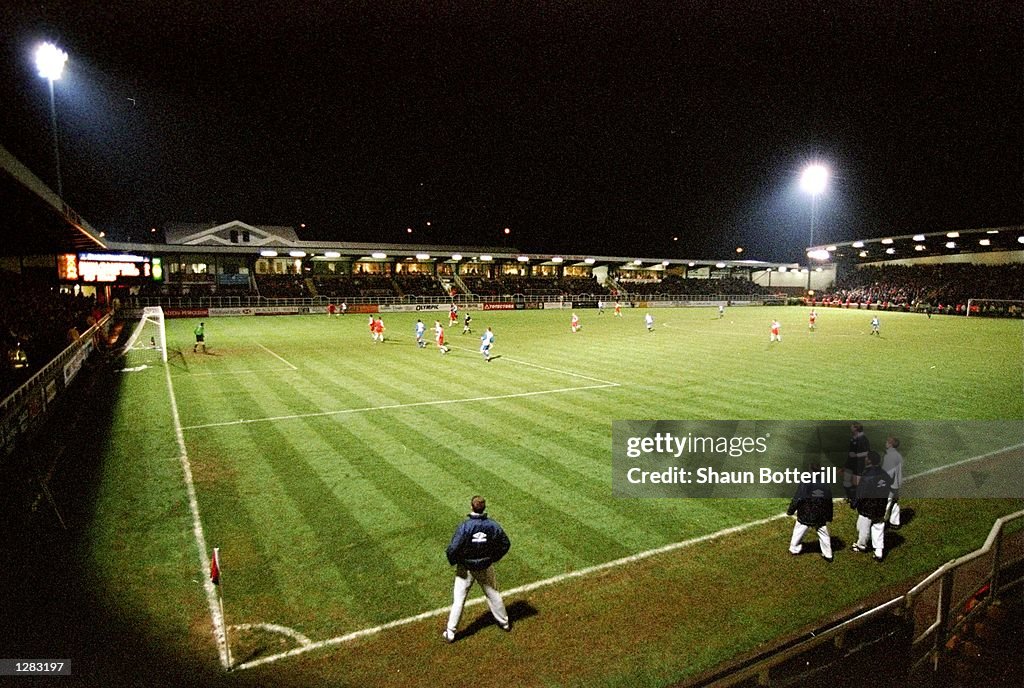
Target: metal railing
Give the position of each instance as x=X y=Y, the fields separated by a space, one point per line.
x=254 y=301
x=934 y=637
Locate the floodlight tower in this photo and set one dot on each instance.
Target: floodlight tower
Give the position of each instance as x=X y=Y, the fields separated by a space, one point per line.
x=813 y=181
x=50 y=62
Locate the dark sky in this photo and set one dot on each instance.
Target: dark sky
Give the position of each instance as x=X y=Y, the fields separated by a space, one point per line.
x=604 y=127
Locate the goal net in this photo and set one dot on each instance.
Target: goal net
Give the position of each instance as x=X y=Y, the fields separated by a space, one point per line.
x=997 y=307
x=149 y=339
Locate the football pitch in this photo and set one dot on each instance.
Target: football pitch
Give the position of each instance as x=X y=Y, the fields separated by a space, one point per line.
x=331 y=470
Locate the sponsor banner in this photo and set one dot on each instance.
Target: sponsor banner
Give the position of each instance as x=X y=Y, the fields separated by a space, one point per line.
x=72 y=367
x=233 y=279
x=499 y=306
x=397 y=307
x=363 y=308
x=556 y=304
x=584 y=304
x=257 y=310
x=534 y=305
x=185 y=312
x=520 y=306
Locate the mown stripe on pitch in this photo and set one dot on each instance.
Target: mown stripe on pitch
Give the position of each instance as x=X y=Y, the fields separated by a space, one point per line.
x=332 y=521
x=471 y=459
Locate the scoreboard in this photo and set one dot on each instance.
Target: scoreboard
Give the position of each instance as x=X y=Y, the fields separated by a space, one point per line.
x=108 y=267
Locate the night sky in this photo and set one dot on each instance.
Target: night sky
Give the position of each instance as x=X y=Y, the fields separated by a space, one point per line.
x=626 y=128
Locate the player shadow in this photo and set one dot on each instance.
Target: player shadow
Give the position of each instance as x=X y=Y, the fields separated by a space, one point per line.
x=893 y=540
x=814 y=547
x=517 y=611
x=495 y=358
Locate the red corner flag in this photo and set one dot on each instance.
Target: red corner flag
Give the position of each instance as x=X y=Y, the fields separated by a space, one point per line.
x=215 y=567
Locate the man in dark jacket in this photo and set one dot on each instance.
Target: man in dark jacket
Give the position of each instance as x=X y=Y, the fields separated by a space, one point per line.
x=872 y=497
x=812 y=505
x=477 y=545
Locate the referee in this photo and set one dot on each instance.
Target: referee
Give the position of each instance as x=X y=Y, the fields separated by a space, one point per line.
x=477 y=545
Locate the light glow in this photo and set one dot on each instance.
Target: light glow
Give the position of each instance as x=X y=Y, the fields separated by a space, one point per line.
x=50 y=61
x=953 y=235
x=950 y=244
x=886 y=241
x=919 y=237
x=985 y=242
x=456 y=256
x=556 y=259
x=858 y=244
x=814 y=179
x=267 y=253
x=332 y=254
x=920 y=247
x=819 y=254
x=422 y=256
x=297 y=254
x=589 y=261
x=379 y=255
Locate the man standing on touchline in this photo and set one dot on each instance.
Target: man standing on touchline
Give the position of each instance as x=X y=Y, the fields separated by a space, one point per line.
x=477 y=545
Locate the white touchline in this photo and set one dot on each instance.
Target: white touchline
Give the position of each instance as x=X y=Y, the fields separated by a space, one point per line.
x=441 y=611
x=197 y=527
x=386 y=407
x=293 y=367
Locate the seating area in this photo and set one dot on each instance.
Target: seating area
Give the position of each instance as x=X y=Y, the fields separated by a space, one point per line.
x=679 y=286
x=352 y=286
x=282 y=286
x=37 y=322
x=419 y=285
x=533 y=286
x=945 y=288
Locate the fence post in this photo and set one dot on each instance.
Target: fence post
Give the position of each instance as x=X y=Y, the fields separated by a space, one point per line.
x=942 y=632
x=997 y=551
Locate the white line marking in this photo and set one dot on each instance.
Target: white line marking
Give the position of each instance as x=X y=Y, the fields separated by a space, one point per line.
x=197 y=528
x=275 y=628
x=293 y=367
x=441 y=611
x=606 y=383
x=387 y=407
x=962 y=462
x=239 y=372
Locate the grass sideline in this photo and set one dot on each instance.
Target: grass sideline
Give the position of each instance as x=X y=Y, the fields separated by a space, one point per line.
x=332 y=523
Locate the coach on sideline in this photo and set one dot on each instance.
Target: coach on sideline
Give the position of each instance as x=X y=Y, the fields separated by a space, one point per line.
x=477 y=545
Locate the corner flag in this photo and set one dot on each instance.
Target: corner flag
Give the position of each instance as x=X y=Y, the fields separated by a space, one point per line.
x=215 y=567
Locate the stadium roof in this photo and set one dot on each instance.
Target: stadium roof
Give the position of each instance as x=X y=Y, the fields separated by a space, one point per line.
x=237 y=237
x=904 y=246
x=35 y=220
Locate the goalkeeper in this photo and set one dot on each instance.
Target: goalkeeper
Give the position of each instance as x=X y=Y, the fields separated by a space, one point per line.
x=200 y=333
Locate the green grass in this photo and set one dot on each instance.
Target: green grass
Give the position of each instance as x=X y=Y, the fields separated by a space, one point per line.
x=331 y=471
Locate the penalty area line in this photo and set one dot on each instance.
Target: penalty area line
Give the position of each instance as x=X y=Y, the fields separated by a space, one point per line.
x=579 y=573
x=293 y=367
x=606 y=383
x=389 y=407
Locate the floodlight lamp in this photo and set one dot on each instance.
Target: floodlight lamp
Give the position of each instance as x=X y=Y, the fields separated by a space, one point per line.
x=719 y=265
x=890 y=251
x=486 y=258
x=50 y=61
x=332 y=254
x=950 y=244
x=589 y=261
x=422 y=256
x=953 y=235
x=267 y=253
x=556 y=259
x=919 y=247
x=858 y=244
x=456 y=256
x=297 y=254
x=886 y=241
x=919 y=237
x=1020 y=240
x=523 y=259
x=379 y=256
x=985 y=242
x=814 y=179
x=819 y=254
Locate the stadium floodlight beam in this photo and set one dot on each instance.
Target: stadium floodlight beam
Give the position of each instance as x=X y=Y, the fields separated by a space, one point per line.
x=50 y=62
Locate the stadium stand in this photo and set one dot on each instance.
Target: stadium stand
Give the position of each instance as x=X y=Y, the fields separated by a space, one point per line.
x=351 y=286
x=676 y=285
x=945 y=288
x=419 y=285
x=282 y=286
x=36 y=323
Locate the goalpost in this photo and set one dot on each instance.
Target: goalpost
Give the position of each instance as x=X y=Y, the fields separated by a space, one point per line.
x=1012 y=305
x=149 y=334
